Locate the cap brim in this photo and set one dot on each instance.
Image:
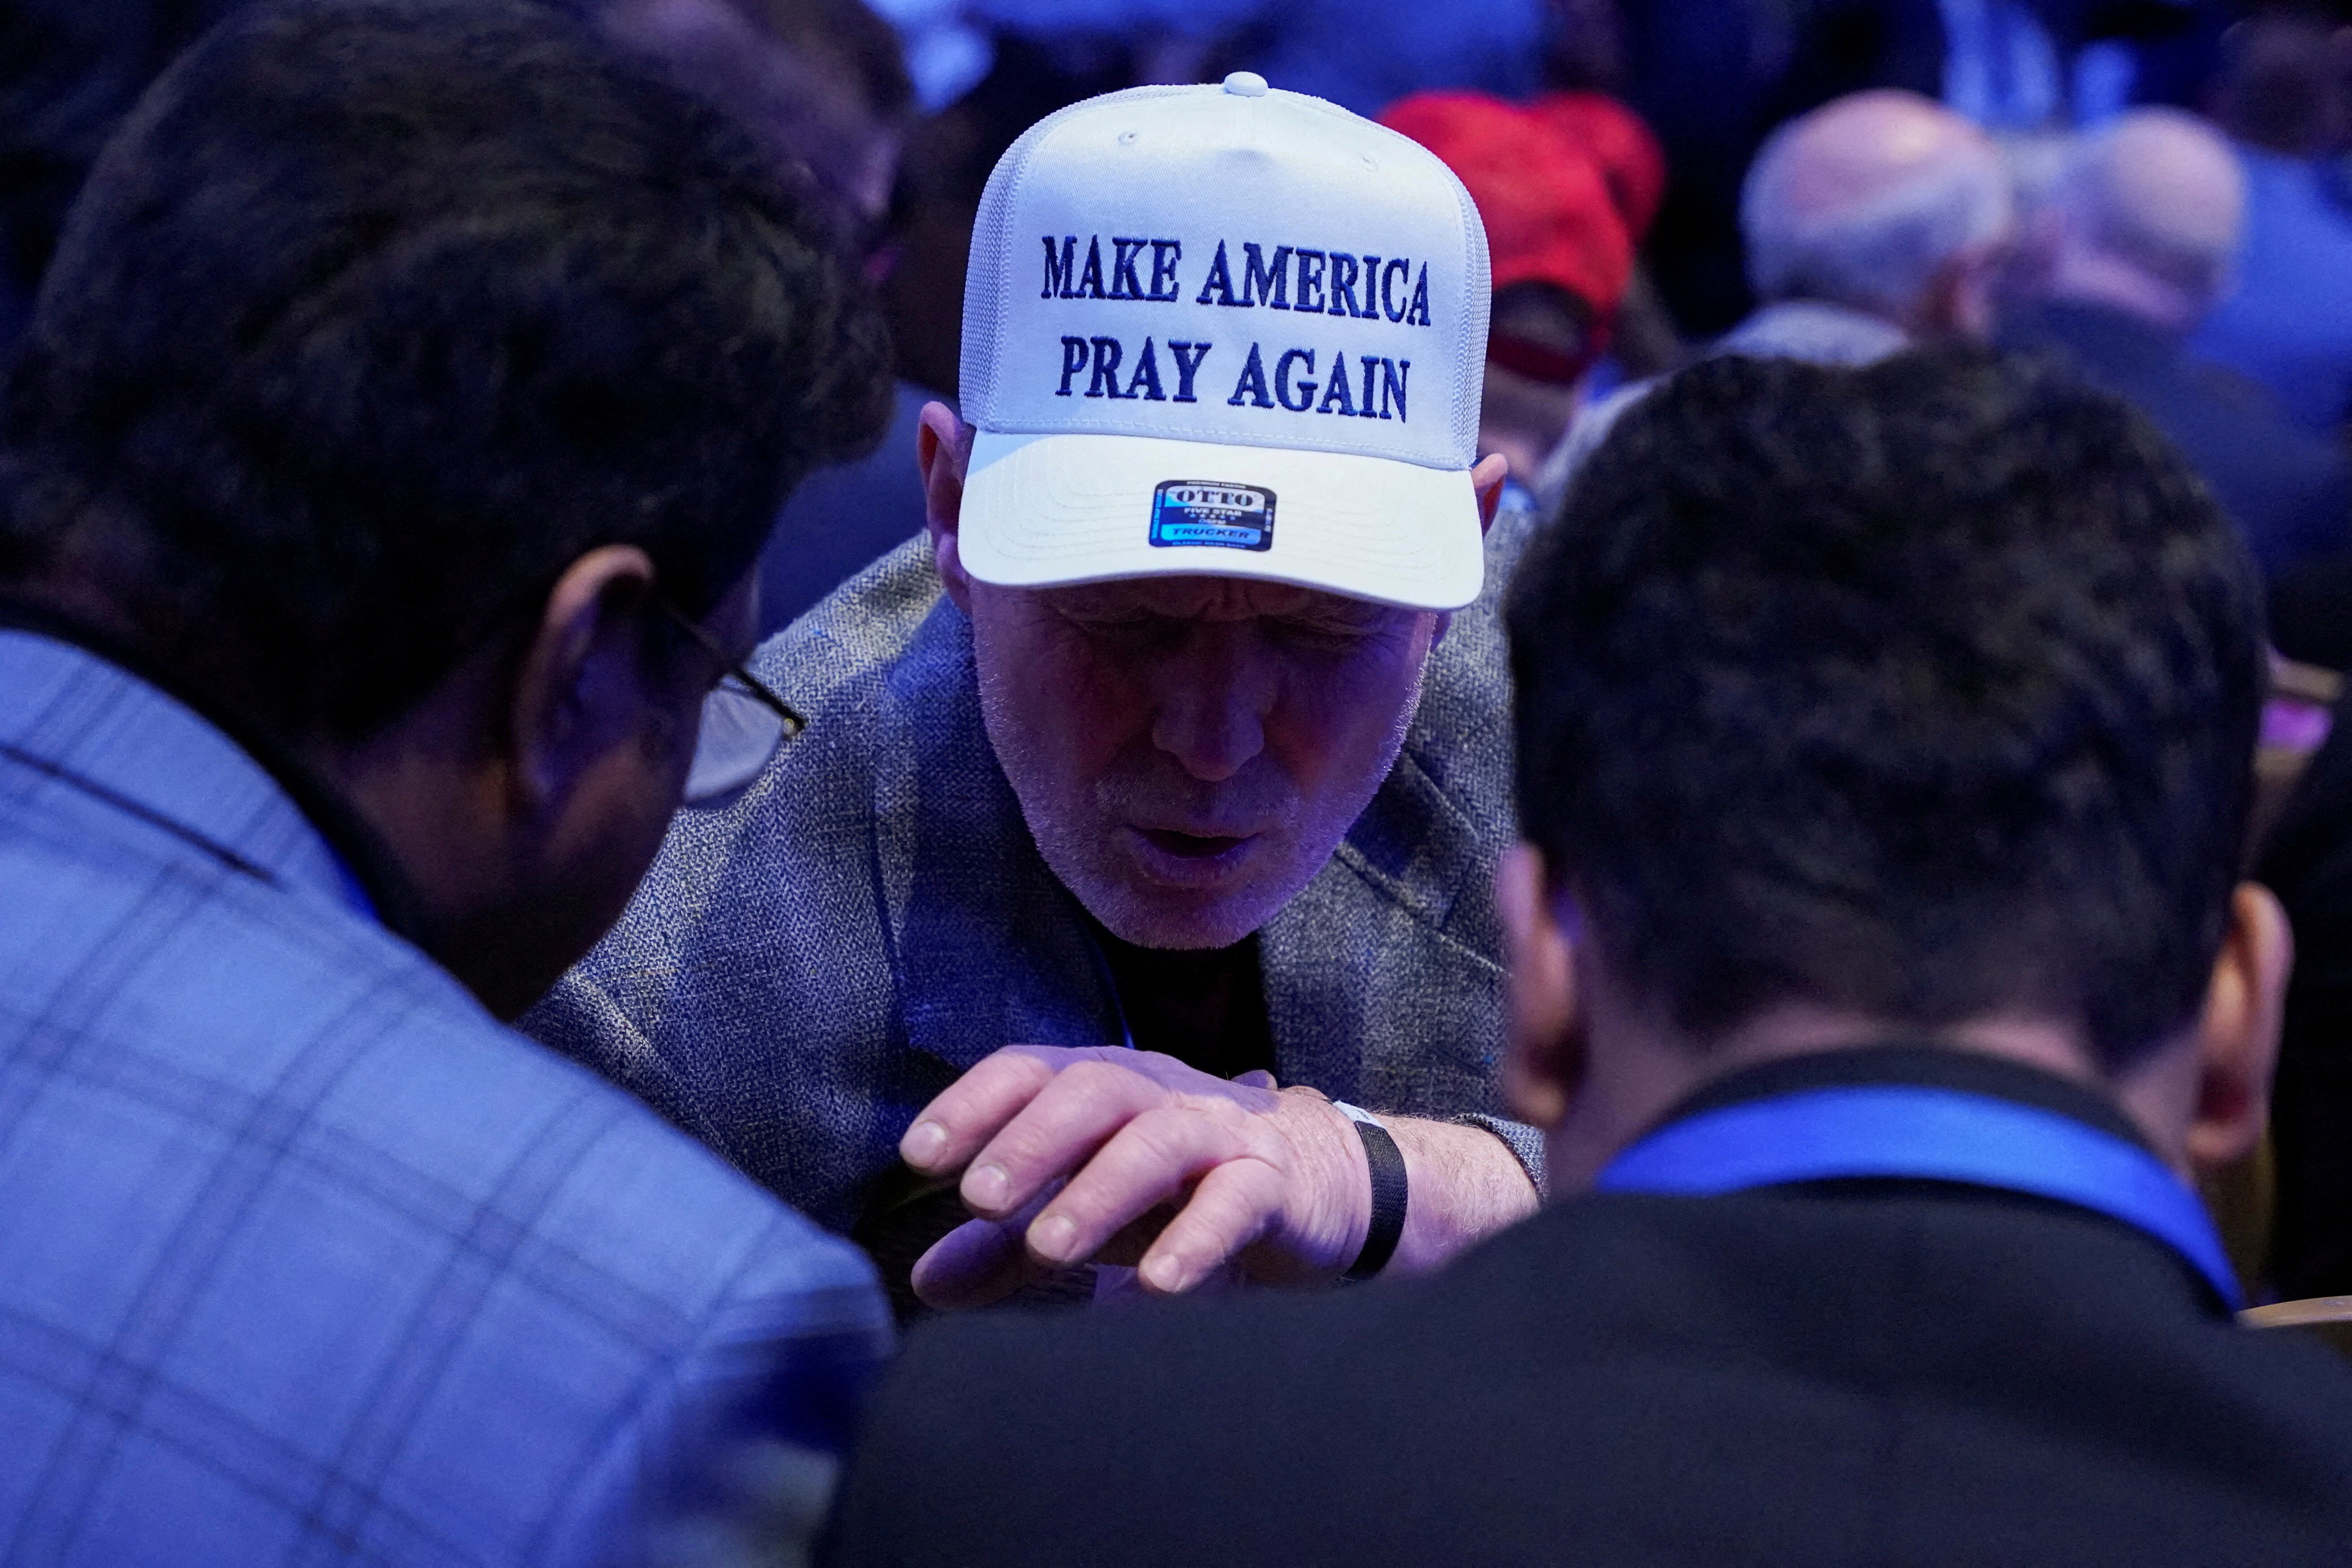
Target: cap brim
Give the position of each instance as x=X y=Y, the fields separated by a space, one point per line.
x=1048 y=511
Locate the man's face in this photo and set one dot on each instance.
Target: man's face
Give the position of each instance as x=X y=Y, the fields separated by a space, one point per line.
x=1190 y=750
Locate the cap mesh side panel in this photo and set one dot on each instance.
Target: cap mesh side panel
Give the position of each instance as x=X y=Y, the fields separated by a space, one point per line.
x=1472 y=369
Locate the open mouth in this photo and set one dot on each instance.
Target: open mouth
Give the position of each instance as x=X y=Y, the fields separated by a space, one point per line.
x=1190 y=845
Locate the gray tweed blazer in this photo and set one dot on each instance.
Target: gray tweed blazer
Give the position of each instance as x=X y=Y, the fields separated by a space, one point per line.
x=810 y=961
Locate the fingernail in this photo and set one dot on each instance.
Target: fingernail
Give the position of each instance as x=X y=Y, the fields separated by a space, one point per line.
x=1050 y=1238
x=987 y=1186
x=923 y=1142
x=1165 y=1273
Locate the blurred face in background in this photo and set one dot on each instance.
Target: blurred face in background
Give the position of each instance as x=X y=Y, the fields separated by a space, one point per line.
x=1539 y=348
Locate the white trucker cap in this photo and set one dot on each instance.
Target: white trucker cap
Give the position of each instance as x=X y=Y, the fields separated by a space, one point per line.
x=1224 y=329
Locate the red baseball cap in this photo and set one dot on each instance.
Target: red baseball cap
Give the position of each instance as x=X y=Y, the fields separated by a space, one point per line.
x=1548 y=212
x=1620 y=145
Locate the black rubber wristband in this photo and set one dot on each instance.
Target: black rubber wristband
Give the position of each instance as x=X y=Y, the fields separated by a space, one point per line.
x=1381 y=1237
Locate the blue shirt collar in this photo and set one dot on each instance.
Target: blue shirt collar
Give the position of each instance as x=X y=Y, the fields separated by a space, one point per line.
x=1920 y=1113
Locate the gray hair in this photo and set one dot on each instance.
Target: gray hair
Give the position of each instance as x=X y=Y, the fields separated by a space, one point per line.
x=2158 y=189
x=1882 y=252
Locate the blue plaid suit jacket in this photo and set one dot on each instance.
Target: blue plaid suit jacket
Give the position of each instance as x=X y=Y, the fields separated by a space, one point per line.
x=303 y=1258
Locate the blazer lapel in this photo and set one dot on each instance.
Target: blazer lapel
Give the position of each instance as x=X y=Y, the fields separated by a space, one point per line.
x=991 y=949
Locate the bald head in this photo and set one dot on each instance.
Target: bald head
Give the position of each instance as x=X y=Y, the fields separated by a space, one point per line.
x=1872 y=201
x=2148 y=217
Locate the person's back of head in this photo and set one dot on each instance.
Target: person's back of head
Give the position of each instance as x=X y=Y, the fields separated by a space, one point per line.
x=376 y=321
x=69 y=70
x=822 y=81
x=1899 y=699
x=2146 y=218
x=1884 y=202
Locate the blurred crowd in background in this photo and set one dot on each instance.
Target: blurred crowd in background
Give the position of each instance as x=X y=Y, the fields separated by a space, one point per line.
x=903 y=109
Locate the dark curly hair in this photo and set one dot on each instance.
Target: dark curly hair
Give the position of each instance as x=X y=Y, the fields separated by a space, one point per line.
x=377 y=314
x=1927 y=690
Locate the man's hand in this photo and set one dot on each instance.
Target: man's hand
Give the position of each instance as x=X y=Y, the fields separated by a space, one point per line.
x=1115 y=1155
x=1118 y=1156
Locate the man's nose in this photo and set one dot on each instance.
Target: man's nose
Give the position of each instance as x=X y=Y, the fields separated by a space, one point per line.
x=1212 y=700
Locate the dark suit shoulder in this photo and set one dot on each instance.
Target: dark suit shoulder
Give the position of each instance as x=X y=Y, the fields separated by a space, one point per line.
x=866 y=623
x=1810 y=1374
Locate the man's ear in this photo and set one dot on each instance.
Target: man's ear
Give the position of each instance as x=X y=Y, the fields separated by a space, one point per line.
x=944 y=454
x=1487 y=478
x=1486 y=483
x=1546 y=1060
x=579 y=687
x=2237 y=1033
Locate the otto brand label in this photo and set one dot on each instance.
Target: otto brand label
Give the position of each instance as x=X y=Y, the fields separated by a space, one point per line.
x=1199 y=511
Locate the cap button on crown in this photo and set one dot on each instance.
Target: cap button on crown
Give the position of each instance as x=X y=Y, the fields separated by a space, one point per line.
x=1246 y=84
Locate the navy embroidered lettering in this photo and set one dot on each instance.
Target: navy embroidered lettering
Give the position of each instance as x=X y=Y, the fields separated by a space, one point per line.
x=1220 y=282
x=1418 y=316
x=1371 y=409
x=1188 y=361
x=1147 y=375
x=1074 y=360
x=1264 y=287
x=1388 y=275
x=1335 y=389
x=1282 y=380
x=1057 y=268
x=1165 y=255
x=1124 y=284
x=1343 y=284
x=1090 y=280
x=1252 y=383
x=1310 y=281
x=1106 y=381
x=1392 y=378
